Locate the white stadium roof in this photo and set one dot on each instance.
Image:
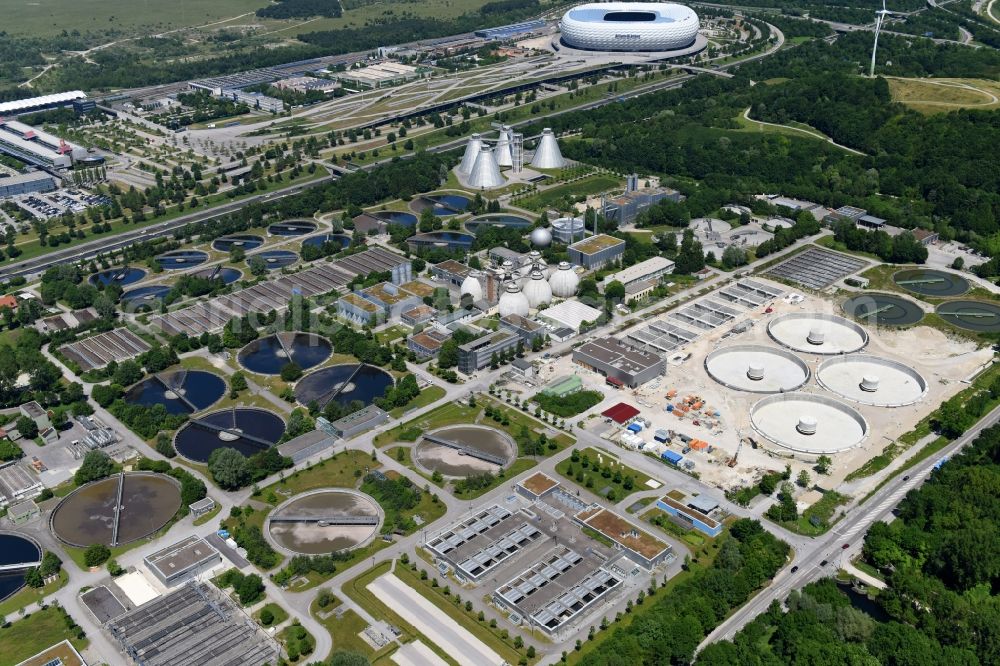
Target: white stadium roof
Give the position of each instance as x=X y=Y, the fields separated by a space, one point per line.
x=44 y=100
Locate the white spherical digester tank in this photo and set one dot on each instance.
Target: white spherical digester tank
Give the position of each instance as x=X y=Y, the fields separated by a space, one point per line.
x=564 y=282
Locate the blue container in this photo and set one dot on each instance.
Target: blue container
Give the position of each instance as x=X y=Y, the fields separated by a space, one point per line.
x=671 y=457
x=635 y=427
x=670 y=408
x=223 y=533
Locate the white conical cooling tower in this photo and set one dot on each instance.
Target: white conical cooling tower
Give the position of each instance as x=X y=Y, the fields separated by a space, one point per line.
x=472 y=149
x=513 y=302
x=503 y=155
x=485 y=173
x=547 y=154
x=537 y=291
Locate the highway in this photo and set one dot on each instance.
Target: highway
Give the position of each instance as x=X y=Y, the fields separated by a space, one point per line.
x=850 y=530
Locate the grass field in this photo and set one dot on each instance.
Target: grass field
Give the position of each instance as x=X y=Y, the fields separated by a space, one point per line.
x=27 y=637
x=344 y=631
x=594 y=474
x=29 y=595
x=344 y=470
x=560 y=195
x=24 y=17
x=941 y=95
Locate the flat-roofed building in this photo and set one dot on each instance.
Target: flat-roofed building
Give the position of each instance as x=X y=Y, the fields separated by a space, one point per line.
x=380 y=75
x=522 y=327
x=26 y=183
x=392 y=299
x=596 y=251
x=23 y=512
x=640 y=546
x=359 y=422
x=627 y=207
x=60 y=654
x=615 y=359
x=451 y=272
x=653 y=268
x=476 y=355
x=571 y=314
x=37 y=147
x=427 y=343
x=304 y=84
x=537 y=486
x=691 y=515
x=359 y=310
x=418 y=315
x=183 y=561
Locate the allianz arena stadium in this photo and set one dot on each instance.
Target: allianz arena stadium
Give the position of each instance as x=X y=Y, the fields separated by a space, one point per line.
x=629 y=26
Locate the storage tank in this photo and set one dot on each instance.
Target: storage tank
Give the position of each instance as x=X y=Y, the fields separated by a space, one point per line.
x=564 y=282
x=485 y=173
x=472 y=286
x=541 y=237
x=471 y=153
x=568 y=229
x=513 y=302
x=537 y=290
x=547 y=154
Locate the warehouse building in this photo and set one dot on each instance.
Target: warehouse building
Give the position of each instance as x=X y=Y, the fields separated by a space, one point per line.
x=451 y=272
x=43 y=102
x=379 y=76
x=26 y=183
x=36 y=147
x=360 y=421
x=626 y=208
x=304 y=84
x=596 y=251
x=570 y=314
x=619 y=362
x=477 y=354
x=653 y=268
x=183 y=561
x=523 y=327
x=427 y=343
x=692 y=514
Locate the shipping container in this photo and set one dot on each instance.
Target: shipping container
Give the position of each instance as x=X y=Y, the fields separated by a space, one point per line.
x=635 y=427
x=671 y=457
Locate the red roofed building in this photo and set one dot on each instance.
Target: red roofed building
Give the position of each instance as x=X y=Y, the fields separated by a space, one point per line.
x=8 y=301
x=621 y=413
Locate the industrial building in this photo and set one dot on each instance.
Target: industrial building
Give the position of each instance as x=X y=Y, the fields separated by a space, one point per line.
x=36 y=147
x=379 y=76
x=653 y=269
x=26 y=183
x=418 y=315
x=692 y=514
x=640 y=546
x=183 y=561
x=427 y=343
x=360 y=421
x=359 y=310
x=42 y=103
x=524 y=328
x=626 y=208
x=476 y=355
x=514 y=29
x=194 y=625
x=17 y=483
x=451 y=272
x=617 y=360
x=570 y=314
x=254 y=100
x=304 y=84
x=596 y=251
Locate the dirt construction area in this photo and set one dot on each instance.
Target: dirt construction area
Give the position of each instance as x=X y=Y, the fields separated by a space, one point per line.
x=711 y=418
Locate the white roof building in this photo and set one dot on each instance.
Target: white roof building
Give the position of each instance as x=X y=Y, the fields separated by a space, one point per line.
x=651 y=268
x=570 y=314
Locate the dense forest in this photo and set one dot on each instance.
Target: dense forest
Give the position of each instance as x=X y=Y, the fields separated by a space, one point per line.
x=669 y=632
x=284 y=9
x=941 y=557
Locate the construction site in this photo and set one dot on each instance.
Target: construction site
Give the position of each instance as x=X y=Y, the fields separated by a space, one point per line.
x=759 y=375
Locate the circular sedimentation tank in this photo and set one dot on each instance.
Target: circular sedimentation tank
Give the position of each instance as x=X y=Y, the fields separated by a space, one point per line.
x=123 y=275
x=88 y=515
x=475 y=450
x=292 y=228
x=977 y=316
x=757 y=368
x=817 y=333
x=340 y=240
x=930 y=282
x=16 y=549
x=324 y=521
x=268 y=355
x=883 y=309
x=872 y=380
x=275 y=259
x=807 y=423
x=180 y=391
x=147 y=296
x=454 y=240
x=246 y=429
x=477 y=224
x=396 y=217
x=224 y=273
x=343 y=383
x=442 y=205
x=181 y=259
x=245 y=242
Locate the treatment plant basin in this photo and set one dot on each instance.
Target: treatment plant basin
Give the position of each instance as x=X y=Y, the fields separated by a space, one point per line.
x=123 y=275
x=268 y=355
x=930 y=282
x=871 y=380
x=324 y=521
x=344 y=383
x=224 y=273
x=246 y=429
x=817 y=333
x=339 y=240
x=757 y=368
x=275 y=259
x=245 y=242
x=442 y=205
x=88 y=515
x=978 y=316
x=180 y=391
x=292 y=228
x=466 y=450
x=883 y=309
x=181 y=259
x=807 y=423
x=478 y=224
x=16 y=549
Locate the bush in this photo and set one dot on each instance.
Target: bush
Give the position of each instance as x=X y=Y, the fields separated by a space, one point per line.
x=96 y=555
x=266 y=617
x=96 y=465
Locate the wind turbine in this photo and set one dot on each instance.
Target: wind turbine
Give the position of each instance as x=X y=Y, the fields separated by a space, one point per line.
x=879 y=21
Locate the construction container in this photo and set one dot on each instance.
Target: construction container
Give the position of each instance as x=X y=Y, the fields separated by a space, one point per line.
x=671 y=457
x=670 y=408
x=699 y=445
x=661 y=436
x=671 y=393
x=635 y=427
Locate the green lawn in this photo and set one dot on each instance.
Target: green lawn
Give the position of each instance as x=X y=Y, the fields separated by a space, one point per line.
x=426 y=396
x=344 y=631
x=448 y=414
x=29 y=595
x=279 y=613
x=29 y=636
x=611 y=472
x=559 y=195
x=517 y=467
x=208 y=516
x=344 y=470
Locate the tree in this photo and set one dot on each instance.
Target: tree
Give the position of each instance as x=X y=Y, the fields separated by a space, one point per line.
x=27 y=427
x=229 y=468
x=344 y=658
x=249 y=589
x=266 y=617
x=96 y=465
x=614 y=291
x=803 y=479
x=291 y=371
x=823 y=464
x=258 y=266
x=96 y=555
x=733 y=256
x=238 y=382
